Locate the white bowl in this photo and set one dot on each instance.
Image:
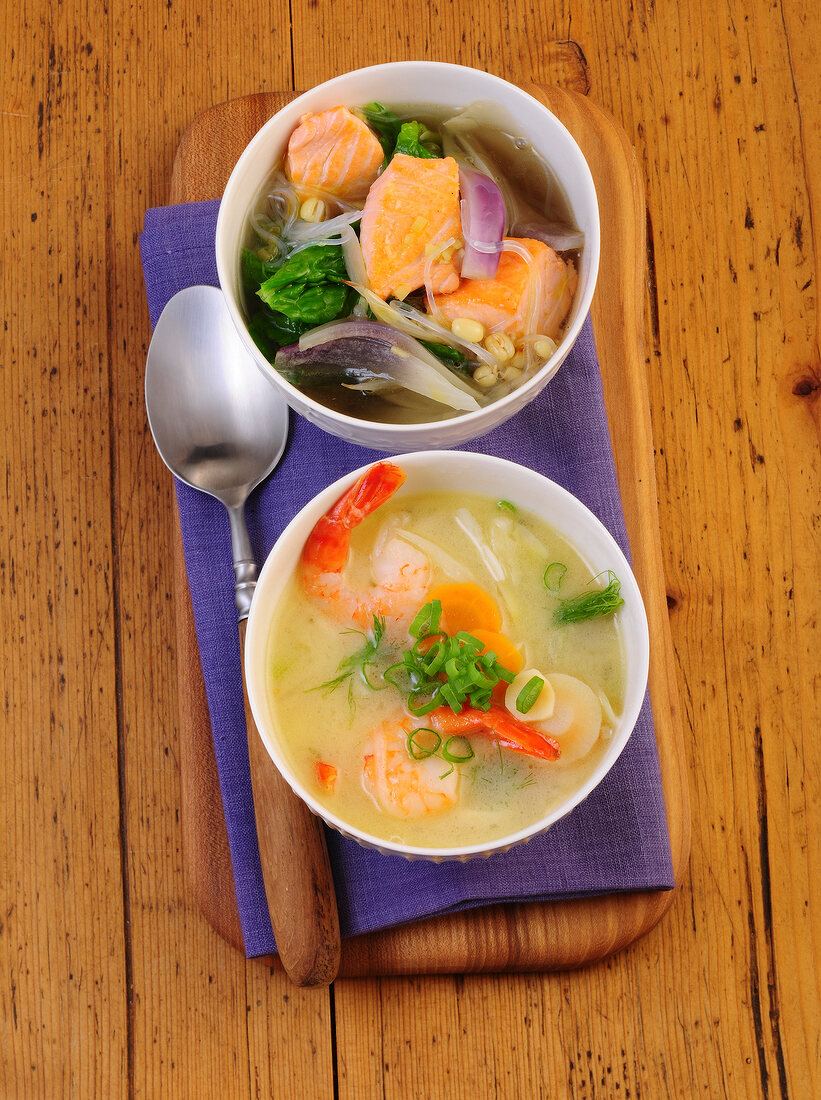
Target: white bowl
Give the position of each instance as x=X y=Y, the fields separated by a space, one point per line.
x=414 y=83
x=472 y=473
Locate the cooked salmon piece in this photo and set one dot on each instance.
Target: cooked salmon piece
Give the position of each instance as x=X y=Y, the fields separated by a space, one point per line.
x=336 y=152
x=500 y=304
x=411 y=209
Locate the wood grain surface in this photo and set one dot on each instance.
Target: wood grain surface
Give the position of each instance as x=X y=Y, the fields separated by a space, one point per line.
x=513 y=937
x=113 y=984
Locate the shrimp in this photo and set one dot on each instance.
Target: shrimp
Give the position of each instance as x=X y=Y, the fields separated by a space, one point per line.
x=510 y=732
x=400 y=785
x=401 y=572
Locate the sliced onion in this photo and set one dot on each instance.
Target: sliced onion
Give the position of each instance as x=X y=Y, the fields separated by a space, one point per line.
x=561 y=238
x=399 y=356
x=469 y=524
x=404 y=318
x=308 y=231
x=483 y=224
x=354 y=260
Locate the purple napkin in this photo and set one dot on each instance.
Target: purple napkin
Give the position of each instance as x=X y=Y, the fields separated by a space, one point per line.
x=615 y=840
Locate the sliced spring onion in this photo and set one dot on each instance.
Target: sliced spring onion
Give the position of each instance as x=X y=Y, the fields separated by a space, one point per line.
x=454 y=756
x=427 y=619
x=418 y=748
x=529 y=694
x=553 y=575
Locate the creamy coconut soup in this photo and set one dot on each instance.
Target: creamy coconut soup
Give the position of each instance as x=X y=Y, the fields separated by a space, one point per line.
x=444 y=671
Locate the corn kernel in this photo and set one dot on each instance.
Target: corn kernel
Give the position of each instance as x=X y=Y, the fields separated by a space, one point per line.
x=511 y=373
x=544 y=346
x=467 y=329
x=485 y=376
x=519 y=360
x=312 y=210
x=500 y=346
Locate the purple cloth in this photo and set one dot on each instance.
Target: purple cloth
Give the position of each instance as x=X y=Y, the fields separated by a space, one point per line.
x=615 y=840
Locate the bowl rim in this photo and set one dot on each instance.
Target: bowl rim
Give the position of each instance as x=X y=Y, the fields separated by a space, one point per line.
x=470 y=422
x=290 y=542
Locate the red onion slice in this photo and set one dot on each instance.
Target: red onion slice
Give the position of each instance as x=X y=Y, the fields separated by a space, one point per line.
x=483 y=224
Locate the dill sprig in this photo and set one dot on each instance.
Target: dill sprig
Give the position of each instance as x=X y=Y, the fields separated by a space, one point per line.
x=591 y=605
x=358 y=662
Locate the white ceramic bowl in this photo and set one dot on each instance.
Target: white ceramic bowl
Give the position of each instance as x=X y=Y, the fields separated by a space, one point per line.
x=415 y=83
x=467 y=472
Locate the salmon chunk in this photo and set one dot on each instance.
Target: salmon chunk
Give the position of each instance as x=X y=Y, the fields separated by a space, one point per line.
x=412 y=208
x=336 y=152
x=500 y=304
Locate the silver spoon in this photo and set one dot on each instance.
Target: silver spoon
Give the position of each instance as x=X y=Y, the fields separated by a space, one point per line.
x=220 y=426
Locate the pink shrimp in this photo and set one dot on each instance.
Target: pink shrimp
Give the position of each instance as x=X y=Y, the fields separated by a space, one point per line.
x=400 y=785
x=400 y=571
x=510 y=732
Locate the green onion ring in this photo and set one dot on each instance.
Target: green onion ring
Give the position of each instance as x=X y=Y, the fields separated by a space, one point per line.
x=421 y=752
x=453 y=757
x=529 y=694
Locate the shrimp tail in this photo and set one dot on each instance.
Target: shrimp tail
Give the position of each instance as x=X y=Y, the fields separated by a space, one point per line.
x=510 y=732
x=326 y=549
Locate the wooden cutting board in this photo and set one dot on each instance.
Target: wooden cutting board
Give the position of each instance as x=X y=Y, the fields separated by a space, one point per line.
x=532 y=936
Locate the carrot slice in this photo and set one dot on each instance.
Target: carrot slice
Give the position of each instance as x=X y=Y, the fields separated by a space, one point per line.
x=326 y=775
x=506 y=652
x=466 y=606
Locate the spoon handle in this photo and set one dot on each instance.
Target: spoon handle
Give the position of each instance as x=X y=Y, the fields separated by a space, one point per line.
x=295 y=867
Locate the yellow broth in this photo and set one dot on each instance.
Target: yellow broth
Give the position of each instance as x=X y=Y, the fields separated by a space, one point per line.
x=500 y=791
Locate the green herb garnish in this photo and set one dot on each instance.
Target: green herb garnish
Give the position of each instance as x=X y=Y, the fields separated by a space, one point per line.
x=440 y=670
x=421 y=748
x=358 y=662
x=505 y=506
x=424 y=742
x=529 y=694
x=591 y=605
x=554 y=575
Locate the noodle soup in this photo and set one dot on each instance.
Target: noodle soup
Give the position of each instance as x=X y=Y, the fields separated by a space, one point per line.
x=388 y=389
x=436 y=590
x=406 y=264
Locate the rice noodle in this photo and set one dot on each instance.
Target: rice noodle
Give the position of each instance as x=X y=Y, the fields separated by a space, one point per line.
x=435 y=251
x=534 y=296
x=306 y=231
x=426 y=328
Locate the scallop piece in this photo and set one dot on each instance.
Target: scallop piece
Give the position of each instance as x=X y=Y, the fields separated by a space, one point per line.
x=576 y=719
x=545 y=701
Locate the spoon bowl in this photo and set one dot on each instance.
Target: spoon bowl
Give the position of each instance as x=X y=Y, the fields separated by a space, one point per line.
x=221 y=427
x=218 y=423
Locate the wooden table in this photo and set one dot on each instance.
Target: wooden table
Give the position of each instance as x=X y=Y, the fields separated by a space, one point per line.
x=111 y=982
